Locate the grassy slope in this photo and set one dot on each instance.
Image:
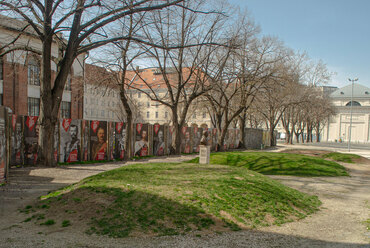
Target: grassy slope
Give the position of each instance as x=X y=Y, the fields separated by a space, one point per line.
x=278 y=163
x=341 y=157
x=163 y=199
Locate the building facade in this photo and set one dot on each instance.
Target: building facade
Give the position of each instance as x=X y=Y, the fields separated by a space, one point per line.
x=20 y=74
x=338 y=126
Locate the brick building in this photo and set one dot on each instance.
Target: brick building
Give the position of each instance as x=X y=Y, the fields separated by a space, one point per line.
x=20 y=74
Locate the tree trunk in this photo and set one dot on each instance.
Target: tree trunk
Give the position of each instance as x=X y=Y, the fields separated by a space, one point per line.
x=48 y=118
x=242 y=120
x=129 y=118
x=271 y=132
x=297 y=137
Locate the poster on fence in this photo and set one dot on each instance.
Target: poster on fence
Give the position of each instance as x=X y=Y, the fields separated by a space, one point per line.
x=158 y=140
x=141 y=140
x=85 y=140
x=119 y=151
x=70 y=140
x=186 y=140
x=16 y=140
x=170 y=130
x=3 y=153
x=197 y=135
x=31 y=134
x=98 y=140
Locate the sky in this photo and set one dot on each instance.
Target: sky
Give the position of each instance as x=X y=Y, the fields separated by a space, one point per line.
x=335 y=31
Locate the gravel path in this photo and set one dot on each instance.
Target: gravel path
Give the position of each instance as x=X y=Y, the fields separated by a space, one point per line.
x=337 y=224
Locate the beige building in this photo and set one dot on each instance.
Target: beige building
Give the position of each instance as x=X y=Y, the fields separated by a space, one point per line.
x=102 y=100
x=338 y=126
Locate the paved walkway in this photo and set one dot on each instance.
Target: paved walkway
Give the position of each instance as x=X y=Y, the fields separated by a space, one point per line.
x=338 y=224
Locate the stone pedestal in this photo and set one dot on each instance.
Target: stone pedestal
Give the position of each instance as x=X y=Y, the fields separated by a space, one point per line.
x=204 y=154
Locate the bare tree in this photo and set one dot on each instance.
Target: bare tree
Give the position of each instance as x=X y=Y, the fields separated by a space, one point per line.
x=184 y=73
x=78 y=26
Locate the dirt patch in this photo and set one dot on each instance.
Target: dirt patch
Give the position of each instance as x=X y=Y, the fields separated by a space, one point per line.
x=75 y=210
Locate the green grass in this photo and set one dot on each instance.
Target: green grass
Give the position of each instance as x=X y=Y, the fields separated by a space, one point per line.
x=278 y=163
x=66 y=223
x=48 y=223
x=341 y=157
x=176 y=198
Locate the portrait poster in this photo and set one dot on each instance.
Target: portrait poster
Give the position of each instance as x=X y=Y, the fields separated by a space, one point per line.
x=119 y=149
x=70 y=140
x=16 y=136
x=169 y=140
x=158 y=140
x=31 y=134
x=85 y=134
x=111 y=134
x=3 y=145
x=98 y=140
x=197 y=135
x=186 y=140
x=141 y=147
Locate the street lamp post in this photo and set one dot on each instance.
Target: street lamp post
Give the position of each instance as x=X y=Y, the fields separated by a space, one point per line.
x=350 y=121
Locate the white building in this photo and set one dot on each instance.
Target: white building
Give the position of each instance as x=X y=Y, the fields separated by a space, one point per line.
x=337 y=128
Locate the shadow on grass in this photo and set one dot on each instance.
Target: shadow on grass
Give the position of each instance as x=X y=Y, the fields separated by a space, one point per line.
x=121 y=213
x=279 y=164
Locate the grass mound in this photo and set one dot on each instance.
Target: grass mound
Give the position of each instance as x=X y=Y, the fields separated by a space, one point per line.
x=278 y=163
x=167 y=199
x=342 y=157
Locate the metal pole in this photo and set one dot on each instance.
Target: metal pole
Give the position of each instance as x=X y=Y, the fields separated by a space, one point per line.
x=350 y=122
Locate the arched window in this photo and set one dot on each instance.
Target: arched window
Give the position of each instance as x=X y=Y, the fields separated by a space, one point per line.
x=354 y=103
x=33 y=71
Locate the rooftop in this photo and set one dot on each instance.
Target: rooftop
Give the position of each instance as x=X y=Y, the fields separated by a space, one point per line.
x=359 y=91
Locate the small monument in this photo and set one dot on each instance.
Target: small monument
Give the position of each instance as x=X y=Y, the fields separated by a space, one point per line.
x=204 y=149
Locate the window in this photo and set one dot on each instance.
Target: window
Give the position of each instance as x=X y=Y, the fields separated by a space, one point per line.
x=354 y=103
x=1 y=99
x=33 y=106
x=139 y=95
x=67 y=86
x=204 y=114
x=139 y=104
x=102 y=114
x=148 y=104
x=156 y=114
x=65 y=110
x=33 y=72
x=166 y=114
x=147 y=114
x=194 y=115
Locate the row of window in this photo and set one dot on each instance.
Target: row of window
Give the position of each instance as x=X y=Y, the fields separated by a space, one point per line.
x=34 y=108
x=99 y=113
x=156 y=115
x=96 y=102
x=204 y=115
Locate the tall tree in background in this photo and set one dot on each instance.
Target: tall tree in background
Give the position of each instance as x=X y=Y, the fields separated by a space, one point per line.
x=184 y=72
x=78 y=26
